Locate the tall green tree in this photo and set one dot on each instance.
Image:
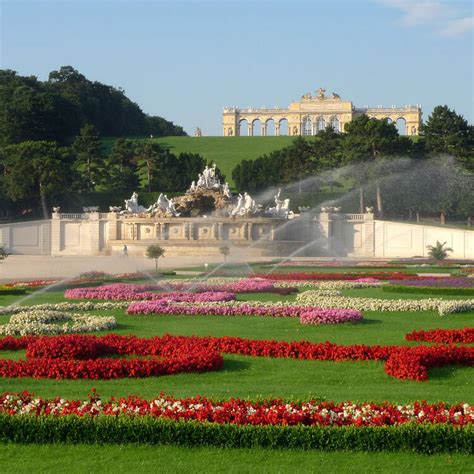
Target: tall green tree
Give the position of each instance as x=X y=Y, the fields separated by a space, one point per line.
x=122 y=166
x=369 y=139
x=37 y=169
x=449 y=133
x=89 y=156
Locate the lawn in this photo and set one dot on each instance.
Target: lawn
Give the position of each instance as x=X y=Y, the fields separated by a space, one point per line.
x=254 y=378
x=226 y=152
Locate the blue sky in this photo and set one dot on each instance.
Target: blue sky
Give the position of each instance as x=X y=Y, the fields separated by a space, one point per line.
x=185 y=60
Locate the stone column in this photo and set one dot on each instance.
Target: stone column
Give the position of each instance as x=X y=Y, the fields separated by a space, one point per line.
x=369 y=228
x=250 y=129
x=94 y=229
x=220 y=231
x=277 y=129
x=113 y=227
x=325 y=227
x=264 y=129
x=56 y=234
x=158 y=230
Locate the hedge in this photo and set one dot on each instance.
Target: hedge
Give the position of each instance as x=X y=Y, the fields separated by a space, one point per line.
x=428 y=290
x=12 y=291
x=420 y=438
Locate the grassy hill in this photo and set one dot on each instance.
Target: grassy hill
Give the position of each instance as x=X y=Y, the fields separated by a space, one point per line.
x=226 y=152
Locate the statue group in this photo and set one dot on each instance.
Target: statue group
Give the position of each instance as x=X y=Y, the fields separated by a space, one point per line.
x=208 y=181
x=162 y=203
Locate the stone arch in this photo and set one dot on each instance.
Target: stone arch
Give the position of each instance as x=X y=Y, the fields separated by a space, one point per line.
x=270 y=127
x=256 y=127
x=307 y=126
x=243 y=127
x=320 y=124
x=401 y=124
x=389 y=119
x=283 y=127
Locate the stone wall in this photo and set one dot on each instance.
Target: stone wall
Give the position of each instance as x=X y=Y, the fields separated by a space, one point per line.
x=325 y=234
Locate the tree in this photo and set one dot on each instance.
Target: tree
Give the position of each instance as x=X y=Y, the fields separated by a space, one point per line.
x=122 y=166
x=446 y=132
x=155 y=252
x=370 y=139
x=88 y=149
x=3 y=253
x=439 y=252
x=37 y=169
x=224 y=250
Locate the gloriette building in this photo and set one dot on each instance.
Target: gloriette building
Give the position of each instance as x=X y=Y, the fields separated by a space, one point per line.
x=312 y=114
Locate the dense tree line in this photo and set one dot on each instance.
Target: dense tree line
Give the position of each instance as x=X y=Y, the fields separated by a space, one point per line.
x=388 y=170
x=37 y=174
x=56 y=109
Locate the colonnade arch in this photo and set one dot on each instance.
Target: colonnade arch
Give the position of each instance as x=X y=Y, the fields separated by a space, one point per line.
x=283 y=127
x=270 y=127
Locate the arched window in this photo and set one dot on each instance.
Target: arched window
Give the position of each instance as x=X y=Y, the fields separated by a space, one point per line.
x=335 y=124
x=320 y=125
x=307 y=126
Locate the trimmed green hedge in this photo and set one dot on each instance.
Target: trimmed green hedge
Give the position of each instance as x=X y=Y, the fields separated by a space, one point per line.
x=12 y=291
x=428 y=290
x=420 y=438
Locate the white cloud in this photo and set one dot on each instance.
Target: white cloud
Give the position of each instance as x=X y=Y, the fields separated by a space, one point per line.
x=447 y=18
x=458 y=27
x=416 y=12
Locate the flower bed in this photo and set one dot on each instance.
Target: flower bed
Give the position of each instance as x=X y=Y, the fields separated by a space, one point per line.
x=313 y=298
x=444 y=336
x=184 y=353
x=120 y=292
x=62 y=357
x=244 y=412
x=337 y=276
x=444 y=282
x=428 y=290
x=31 y=321
x=242 y=308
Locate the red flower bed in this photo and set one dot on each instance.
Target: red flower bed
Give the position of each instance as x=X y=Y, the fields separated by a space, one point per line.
x=75 y=357
x=443 y=336
x=338 y=276
x=244 y=412
x=183 y=353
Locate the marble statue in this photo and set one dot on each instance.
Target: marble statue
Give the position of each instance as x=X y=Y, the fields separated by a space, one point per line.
x=208 y=178
x=198 y=132
x=164 y=204
x=226 y=190
x=369 y=210
x=56 y=210
x=238 y=207
x=132 y=206
x=336 y=96
x=320 y=93
x=170 y=207
x=192 y=188
x=281 y=208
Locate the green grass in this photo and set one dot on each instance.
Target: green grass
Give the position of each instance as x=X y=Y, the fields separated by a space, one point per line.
x=226 y=152
x=250 y=377
x=253 y=377
x=18 y=458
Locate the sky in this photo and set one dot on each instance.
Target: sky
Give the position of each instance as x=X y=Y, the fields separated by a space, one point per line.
x=185 y=60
